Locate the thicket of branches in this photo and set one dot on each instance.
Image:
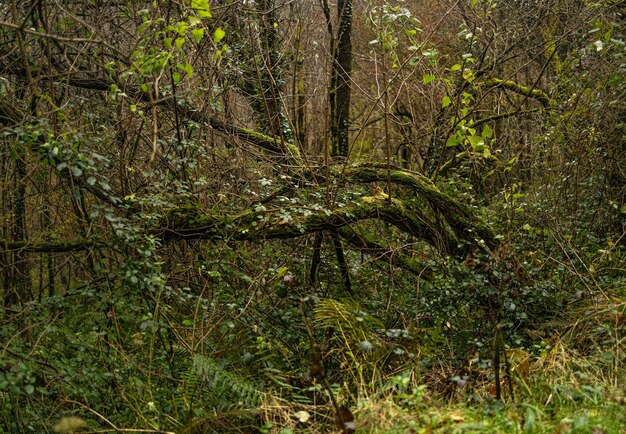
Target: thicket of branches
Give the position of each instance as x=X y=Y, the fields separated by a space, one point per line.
x=184 y=183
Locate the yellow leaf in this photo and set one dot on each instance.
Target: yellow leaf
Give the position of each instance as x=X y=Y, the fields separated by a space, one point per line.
x=468 y=75
x=302 y=416
x=456 y=416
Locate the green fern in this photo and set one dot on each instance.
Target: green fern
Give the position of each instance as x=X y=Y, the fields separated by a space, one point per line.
x=215 y=398
x=208 y=387
x=241 y=392
x=333 y=314
x=353 y=349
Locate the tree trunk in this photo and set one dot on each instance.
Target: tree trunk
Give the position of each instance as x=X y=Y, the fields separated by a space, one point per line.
x=270 y=75
x=18 y=290
x=340 y=87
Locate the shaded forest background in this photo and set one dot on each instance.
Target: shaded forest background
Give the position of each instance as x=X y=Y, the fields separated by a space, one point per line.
x=279 y=216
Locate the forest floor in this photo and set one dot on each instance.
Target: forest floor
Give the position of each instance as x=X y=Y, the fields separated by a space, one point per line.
x=572 y=383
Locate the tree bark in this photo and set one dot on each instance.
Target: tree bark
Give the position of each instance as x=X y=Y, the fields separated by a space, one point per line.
x=340 y=83
x=270 y=76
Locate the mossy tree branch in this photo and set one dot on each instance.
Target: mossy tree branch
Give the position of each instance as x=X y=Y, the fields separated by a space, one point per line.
x=368 y=245
x=462 y=219
x=500 y=116
x=47 y=247
x=262 y=141
x=252 y=225
x=528 y=92
x=292 y=222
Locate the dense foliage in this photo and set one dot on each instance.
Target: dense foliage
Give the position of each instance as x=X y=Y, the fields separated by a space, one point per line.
x=295 y=216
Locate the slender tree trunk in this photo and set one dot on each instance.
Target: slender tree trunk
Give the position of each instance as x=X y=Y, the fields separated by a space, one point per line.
x=270 y=74
x=341 y=261
x=5 y=257
x=340 y=83
x=19 y=289
x=299 y=97
x=315 y=261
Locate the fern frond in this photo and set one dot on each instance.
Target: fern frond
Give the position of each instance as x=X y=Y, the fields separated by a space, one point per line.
x=236 y=390
x=330 y=313
x=207 y=388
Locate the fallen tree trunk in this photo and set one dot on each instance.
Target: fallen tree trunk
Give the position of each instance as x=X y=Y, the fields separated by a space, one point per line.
x=261 y=224
x=48 y=247
x=251 y=225
x=396 y=257
x=463 y=221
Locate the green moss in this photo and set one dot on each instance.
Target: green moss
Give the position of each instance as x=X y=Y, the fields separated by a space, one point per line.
x=463 y=221
x=537 y=94
x=269 y=143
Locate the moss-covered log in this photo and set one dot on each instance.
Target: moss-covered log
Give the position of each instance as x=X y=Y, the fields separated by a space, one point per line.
x=291 y=222
x=284 y=223
x=47 y=247
x=499 y=116
x=366 y=244
x=461 y=218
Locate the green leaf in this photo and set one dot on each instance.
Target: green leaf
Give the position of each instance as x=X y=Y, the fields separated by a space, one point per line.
x=487 y=132
x=176 y=77
x=414 y=60
x=455 y=67
x=181 y=28
x=188 y=69
x=446 y=101
x=477 y=143
x=185 y=67
x=202 y=8
x=218 y=35
x=179 y=42
x=453 y=141
x=197 y=34
x=428 y=78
